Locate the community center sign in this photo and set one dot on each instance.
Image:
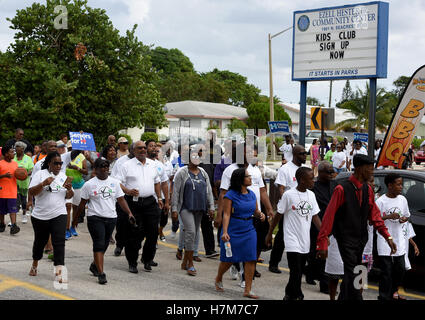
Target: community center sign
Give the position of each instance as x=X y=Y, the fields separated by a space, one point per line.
x=345 y=42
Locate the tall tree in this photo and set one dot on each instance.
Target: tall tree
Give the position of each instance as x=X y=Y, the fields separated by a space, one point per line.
x=347 y=92
x=259 y=114
x=400 y=84
x=358 y=107
x=239 y=91
x=170 y=61
x=86 y=77
x=311 y=101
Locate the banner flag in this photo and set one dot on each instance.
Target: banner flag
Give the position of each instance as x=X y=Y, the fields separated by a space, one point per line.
x=404 y=123
x=82 y=141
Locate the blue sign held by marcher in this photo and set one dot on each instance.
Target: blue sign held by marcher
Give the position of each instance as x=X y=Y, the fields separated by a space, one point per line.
x=279 y=126
x=82 y=141
x=363 y=137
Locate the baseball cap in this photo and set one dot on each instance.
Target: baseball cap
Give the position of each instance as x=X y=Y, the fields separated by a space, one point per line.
x=60 y=144
x=122 y=139
x=361 y=160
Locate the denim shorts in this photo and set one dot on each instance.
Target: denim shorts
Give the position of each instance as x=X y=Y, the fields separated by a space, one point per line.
x=8 y=206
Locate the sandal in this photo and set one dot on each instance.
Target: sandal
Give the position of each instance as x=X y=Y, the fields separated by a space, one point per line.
x=191 y=271
x=33 y=271
x=260 y=260
x=250 y=295
x=219 y=286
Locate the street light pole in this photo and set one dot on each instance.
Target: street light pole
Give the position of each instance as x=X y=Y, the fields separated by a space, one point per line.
x=271 y=87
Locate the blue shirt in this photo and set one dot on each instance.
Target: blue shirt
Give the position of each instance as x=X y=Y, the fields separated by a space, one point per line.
x=195 y=193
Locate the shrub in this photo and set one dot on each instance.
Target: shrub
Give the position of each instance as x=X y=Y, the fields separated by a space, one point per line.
x=149 y=135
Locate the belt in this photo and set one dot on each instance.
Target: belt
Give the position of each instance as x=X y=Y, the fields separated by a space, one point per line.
x=136 y=199
x=251 y=217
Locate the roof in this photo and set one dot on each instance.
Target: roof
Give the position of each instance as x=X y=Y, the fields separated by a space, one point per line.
x=340 y=114
x=204 y=110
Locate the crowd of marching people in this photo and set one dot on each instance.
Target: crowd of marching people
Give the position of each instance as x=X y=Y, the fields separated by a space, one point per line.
x=128 y=192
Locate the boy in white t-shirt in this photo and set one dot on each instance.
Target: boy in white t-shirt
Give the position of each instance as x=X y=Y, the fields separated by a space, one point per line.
x=395 y=212
x=300 y=208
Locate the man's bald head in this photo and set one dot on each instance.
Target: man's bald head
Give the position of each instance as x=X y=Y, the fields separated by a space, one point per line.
x=51 y=146
x=326 y=171
x=299 y=155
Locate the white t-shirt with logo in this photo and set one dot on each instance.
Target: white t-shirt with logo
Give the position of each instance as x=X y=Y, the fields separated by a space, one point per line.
x=388 y=206
x=103 y=195
x=286 y=149
x=286 y=176
x=298 y=209
x=50 y=202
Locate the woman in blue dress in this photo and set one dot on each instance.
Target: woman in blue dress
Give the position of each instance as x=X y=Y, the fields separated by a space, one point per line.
x=240 y=205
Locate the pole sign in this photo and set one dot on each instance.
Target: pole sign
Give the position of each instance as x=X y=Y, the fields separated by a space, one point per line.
x=363 y=137
x=82 y=141
x=344 y=42
x=279 y=126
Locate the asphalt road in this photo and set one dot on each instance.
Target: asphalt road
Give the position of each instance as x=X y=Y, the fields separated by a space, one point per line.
x=165 y=282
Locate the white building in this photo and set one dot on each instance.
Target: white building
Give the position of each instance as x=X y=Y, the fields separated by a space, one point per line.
x=293 y=110
x=194 y=118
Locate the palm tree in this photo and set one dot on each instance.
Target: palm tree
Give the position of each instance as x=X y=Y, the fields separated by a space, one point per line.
x=359 y=108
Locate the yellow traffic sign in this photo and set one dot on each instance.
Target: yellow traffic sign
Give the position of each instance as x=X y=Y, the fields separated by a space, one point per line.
x=316 y=118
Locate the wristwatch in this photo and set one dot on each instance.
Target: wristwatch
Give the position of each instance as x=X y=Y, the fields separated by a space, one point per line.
x=390 y=238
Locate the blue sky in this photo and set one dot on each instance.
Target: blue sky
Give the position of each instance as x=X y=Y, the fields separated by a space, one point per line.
x=232 y=35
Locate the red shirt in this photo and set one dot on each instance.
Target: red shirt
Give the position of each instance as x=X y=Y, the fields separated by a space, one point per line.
x=337 y=200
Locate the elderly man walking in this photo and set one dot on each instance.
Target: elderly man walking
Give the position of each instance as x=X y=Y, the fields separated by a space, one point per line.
x=140 y=182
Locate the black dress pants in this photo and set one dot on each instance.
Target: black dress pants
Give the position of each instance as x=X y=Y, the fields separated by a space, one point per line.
x=392 y=274
x=296 y=263
x=207 y=233
x=351 y=255
x=123 y=227
x=147 y=214
x=278 y=246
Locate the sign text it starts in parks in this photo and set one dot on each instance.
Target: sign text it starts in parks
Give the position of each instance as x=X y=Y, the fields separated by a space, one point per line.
x=346 y=42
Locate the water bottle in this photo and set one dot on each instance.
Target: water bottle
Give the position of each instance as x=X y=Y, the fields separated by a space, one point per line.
x=228 y=249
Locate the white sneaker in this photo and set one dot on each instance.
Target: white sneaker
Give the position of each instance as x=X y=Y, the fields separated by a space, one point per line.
x=242 y=284
x=9 y=224
x=24 y=218
x=234 y=273
x=173 y=235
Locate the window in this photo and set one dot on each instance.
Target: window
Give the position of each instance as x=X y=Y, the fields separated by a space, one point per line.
x=414 y=191
x=185 y=123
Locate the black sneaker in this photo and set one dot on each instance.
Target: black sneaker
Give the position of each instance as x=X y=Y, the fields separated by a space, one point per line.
x=211 y=254
x=133 y=269
x=117 y=251
x=147 y=267
x=153 y=264
x=274 y=269
x=102 y=278
x=2 y=227
x=14 y=229
x=257 y=274
x=94 y=270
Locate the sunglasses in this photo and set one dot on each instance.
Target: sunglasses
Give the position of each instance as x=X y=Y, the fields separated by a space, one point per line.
x=57 y=163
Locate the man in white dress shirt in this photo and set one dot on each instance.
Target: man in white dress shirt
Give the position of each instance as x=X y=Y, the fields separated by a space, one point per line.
x=140 y=182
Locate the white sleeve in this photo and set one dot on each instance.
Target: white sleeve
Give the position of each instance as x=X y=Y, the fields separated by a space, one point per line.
x=410 y=231
x=118 y=191
x=380 y=206
x=35 y=179
x=225 y=180
x=85 y=191
x=164 y=176
x=406 y=208
x=66 y=159
x=121 y=174
x=283 y=204
x=280 y=179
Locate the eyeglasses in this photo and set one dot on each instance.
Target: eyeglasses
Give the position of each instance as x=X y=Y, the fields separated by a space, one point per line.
x=57 y=163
